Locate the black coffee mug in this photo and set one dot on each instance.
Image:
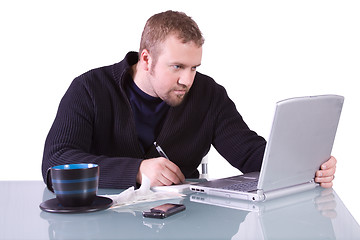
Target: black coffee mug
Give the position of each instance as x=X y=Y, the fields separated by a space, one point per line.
x=75 y=185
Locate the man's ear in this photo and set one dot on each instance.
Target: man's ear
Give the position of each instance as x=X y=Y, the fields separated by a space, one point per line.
x=145 y=60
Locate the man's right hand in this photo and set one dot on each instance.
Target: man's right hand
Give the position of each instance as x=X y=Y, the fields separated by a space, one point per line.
x=160 y=171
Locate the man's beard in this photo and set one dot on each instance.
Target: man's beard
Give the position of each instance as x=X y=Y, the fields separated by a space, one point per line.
x=176 y=100
x=172 y=101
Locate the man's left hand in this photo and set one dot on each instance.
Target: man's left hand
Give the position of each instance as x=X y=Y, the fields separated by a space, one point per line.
x=325 y=175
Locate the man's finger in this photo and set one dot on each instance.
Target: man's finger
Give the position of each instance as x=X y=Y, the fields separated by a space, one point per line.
x=326 y=173
x=329 y=163
x=172 y=177
x=174 y=174
x=324 y=179
x=164 y=180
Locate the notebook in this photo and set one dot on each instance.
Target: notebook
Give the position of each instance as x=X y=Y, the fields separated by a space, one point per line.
x=301 y=139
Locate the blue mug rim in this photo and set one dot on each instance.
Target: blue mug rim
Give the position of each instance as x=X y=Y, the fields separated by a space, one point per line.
x=75 y=166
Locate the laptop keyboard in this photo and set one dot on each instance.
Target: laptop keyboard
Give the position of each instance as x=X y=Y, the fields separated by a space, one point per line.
x=246 y=186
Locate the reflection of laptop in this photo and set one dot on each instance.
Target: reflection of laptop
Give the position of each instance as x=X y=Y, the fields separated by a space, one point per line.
x=301 y=139
x=266 y=220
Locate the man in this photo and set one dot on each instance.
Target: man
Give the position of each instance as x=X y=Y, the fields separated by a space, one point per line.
x=113 y=115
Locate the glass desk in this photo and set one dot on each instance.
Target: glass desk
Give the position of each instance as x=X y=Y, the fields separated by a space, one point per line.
x=315 y=214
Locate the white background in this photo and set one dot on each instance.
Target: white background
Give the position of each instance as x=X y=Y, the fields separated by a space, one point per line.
x=261 y=51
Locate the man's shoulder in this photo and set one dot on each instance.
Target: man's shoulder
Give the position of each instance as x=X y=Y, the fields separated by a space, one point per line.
x=205 y=91
x=108 y=73
x=95 y=78
x=203 y=77
x=206 y=83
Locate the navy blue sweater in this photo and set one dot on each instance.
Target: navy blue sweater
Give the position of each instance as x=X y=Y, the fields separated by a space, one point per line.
x=149 y=114
x=95 y=124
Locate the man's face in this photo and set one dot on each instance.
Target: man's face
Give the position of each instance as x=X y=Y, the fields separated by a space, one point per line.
x=173 y=74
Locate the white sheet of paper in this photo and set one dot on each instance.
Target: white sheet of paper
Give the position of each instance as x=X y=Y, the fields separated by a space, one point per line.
x=179 y=188
x=144 y=194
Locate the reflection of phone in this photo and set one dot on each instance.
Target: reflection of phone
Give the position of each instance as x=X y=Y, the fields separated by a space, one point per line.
x=164 y=210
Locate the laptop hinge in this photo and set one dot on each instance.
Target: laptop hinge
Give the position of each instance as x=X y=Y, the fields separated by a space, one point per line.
x=290 y=190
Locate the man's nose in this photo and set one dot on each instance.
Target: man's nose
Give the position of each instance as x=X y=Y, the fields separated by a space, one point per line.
x=187 y=78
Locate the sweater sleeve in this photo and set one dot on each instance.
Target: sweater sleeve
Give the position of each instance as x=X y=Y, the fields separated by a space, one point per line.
x=70 y=140
x=233 y=139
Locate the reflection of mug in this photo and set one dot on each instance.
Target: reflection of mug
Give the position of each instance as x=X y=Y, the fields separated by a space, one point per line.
x=74 y=185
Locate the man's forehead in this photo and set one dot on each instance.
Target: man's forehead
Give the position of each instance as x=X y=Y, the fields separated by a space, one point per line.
x=175 y=50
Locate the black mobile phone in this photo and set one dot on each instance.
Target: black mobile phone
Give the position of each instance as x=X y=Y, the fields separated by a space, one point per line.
x=164 y=210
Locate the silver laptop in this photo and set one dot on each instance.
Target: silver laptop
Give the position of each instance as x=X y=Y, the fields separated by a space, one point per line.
x=301 y=139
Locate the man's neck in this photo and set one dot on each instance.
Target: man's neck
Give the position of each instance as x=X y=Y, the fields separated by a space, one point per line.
x=141 y=79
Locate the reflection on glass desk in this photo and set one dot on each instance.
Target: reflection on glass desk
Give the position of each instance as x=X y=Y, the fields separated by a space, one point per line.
x=315 y=214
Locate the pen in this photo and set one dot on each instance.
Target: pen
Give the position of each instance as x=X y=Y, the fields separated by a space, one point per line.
x=160 y=151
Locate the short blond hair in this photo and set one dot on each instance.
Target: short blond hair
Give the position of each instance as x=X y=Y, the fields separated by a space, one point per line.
x=161 y=25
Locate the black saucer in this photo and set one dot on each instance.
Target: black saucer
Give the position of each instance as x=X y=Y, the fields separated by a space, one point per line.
x=53 y=206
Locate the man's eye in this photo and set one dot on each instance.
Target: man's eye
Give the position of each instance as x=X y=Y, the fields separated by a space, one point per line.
x=176 y=67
